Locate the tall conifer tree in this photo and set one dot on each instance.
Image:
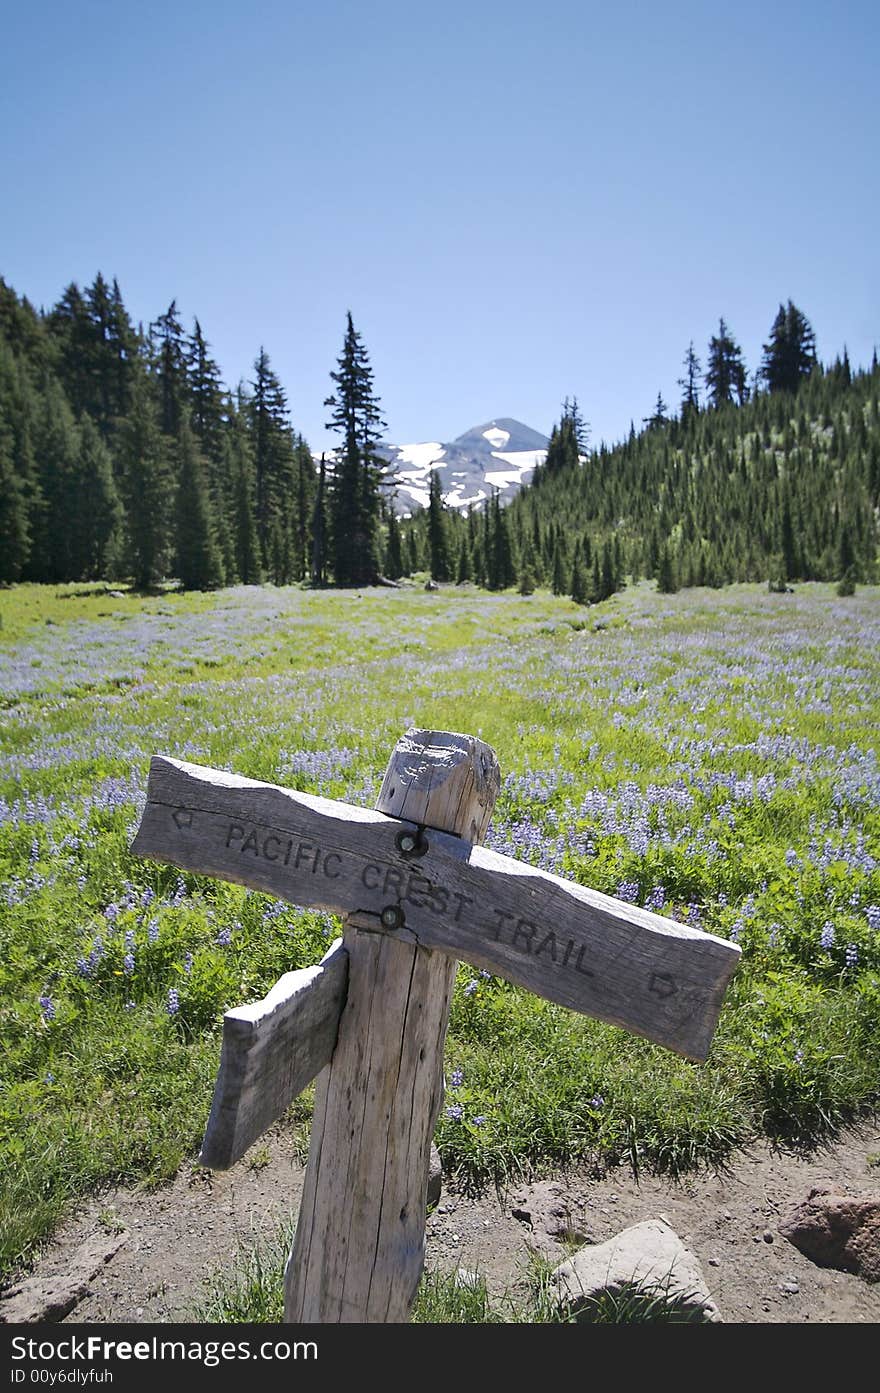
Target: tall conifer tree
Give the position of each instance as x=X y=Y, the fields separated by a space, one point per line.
x=197 y=556
x=725 y=369
x=147 y=490
x=790 y=354
x=438 y=532
x=357 y=472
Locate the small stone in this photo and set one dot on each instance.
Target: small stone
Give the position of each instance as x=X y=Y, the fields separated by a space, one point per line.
x=790 y=1288
x=767 y=1236
x=713 y=1262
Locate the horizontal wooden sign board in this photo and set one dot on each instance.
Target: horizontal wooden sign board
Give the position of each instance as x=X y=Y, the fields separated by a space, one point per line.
x=572 y=945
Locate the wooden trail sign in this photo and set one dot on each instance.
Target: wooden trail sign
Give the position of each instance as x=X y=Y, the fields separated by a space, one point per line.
x=417 y=892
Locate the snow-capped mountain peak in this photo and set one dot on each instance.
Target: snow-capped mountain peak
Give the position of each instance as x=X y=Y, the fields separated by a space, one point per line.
x=499 y=454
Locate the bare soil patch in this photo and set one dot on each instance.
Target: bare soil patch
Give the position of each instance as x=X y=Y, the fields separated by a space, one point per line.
x=173 y=1239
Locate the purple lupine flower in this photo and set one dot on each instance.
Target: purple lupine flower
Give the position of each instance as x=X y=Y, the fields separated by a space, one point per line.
x=826 y=938
x=597 y=1101
x=852 y=955
x=224 y=938
x=628 y=890
x=479 y=1120
x=188 y=962
x=455 y=1111
x=128 y=964
x=172 y=1005
x=47 y=1006
x=111 y=913
x=470 y=987
x=457 y=1078
x=153 y=930
x=872 y=914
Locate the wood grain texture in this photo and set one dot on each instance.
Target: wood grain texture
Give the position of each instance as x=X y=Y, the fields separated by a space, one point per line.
x=359 y=1249
x=271 y=1051
x=563 y=941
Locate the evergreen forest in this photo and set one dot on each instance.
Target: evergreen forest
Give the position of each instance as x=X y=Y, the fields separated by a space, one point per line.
x=125 y=458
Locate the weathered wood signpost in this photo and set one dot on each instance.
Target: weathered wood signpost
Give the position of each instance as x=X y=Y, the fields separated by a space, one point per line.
x=417 y=892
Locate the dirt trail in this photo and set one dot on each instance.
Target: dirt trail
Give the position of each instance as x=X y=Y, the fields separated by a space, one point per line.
x=174 y=1238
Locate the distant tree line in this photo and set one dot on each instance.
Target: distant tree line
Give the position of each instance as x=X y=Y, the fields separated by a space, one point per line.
x=124 y=457
x=776 y=478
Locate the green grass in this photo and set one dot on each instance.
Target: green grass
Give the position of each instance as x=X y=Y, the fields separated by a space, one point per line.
x=251 y=1291
x=711 y=753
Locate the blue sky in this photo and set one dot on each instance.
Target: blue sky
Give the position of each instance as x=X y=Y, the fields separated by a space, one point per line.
x=517 y=203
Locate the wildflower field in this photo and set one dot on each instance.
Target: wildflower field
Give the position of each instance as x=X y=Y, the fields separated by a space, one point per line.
x=711 y=755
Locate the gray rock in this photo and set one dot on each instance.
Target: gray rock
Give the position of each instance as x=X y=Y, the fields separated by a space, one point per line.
x=435 y=1178
x=648 y=1256
x=50 y=1298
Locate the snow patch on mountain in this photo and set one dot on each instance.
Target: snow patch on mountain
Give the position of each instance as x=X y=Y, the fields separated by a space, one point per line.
x=496 y=437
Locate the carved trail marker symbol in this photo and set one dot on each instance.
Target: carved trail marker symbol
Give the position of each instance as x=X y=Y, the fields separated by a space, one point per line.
x=417 y=892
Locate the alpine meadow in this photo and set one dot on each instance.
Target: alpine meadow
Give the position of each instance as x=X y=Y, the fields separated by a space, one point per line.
x=671 y=642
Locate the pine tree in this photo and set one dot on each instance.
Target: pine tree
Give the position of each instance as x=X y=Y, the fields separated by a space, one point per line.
x=690 y=384
x=393 y=551
x=464 y=570
x=146 y=490
x=578 y=588
x=70 y=330
x=725 y=372
x=357 y=474
x=248 y=561
x=98 y=519
x=571 y=413
x=561 y=575
x=319 y=529
x=56 y=448
x=658 y=417
x=14 y=534
x=438 y=532
x=168 y=365
x=667 y=574
x=205 y=394
x=609 y=577
x=527 y=579
x=197 y=555
x=272 y=453
x=562 y=451
x=305 y=485
x=790 y=354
